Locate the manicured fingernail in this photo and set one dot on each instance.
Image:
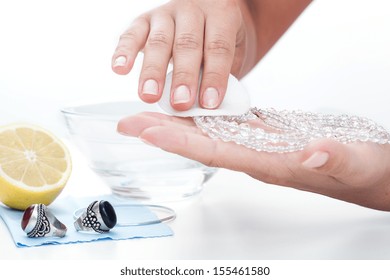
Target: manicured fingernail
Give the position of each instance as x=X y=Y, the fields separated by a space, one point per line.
x=124 y=133
x=210 y=98
x=181 y=95
x=146 y=142
x=316 y=160
x=120 y=61
x=150 y=87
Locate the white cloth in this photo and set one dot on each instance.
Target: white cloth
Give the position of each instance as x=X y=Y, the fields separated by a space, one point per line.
x=236 y=101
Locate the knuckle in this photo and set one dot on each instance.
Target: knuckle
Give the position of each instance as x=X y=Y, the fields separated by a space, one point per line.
x=187 y=41
x=121 y=49
x=219 y=45
x=159 y=39
x=129 y=35
x=181 y=75
x=133 y=32
x=214 y=77
x=152 y=69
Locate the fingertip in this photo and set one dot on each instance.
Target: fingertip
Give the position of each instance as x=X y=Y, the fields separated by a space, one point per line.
x=213 y=89
x=182 y=106
x=150 y=91
x=210 y=99
x=122 y=126
x=148 y=98
x=316 y=160
x=121 y=64
x=182 y=99
x=119 y=61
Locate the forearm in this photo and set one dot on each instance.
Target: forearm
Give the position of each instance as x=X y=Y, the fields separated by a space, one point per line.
x=268 y=20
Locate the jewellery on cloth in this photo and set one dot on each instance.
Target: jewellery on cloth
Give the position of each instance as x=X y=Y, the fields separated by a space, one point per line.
x=38 y=221
x=82 y=213
x=98 y=217
x=282 y=131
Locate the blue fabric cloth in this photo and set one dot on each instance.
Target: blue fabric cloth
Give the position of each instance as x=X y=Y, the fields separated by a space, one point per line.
x=64 y=209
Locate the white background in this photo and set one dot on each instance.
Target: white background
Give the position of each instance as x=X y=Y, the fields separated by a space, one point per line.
x=335 y=58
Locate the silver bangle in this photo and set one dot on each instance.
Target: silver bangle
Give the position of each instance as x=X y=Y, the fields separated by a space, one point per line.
x=171 y=215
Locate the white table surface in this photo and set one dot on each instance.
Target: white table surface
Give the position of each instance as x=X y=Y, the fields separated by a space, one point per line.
x=335 y=58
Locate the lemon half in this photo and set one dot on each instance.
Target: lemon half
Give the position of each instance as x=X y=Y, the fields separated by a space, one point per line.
x=34 y=166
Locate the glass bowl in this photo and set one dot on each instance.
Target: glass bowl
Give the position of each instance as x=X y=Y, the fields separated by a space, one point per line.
x=130 y=167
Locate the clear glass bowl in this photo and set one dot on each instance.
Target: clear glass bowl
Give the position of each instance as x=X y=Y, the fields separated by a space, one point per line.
x=130 y=167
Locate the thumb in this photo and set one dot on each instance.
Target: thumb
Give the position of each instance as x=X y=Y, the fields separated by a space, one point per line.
x=335 y=159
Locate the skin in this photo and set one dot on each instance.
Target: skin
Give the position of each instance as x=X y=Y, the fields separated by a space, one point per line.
x=221 y=36
x=194 y=34
x=325 y=166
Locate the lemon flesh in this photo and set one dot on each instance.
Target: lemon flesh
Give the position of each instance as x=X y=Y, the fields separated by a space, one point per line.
x=34 y=166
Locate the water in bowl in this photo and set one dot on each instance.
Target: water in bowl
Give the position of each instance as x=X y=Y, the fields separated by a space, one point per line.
x=154 y=179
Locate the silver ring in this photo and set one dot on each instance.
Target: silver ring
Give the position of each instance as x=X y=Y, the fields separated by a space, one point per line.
x=98 y=217
x=38 y=221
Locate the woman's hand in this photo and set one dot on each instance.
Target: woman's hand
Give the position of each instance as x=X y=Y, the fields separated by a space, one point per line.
x=216 y=35
x=358 y=172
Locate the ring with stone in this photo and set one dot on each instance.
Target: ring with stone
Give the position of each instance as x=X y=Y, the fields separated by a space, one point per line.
x=98 y=217
x=38 y=221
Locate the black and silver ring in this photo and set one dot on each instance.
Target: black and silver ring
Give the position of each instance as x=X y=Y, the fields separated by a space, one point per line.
x=98 y=217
